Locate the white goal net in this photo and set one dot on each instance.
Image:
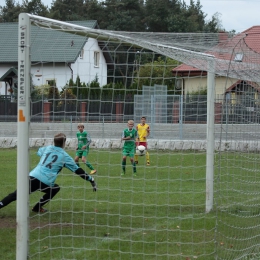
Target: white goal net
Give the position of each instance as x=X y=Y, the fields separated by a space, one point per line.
x=198 y=198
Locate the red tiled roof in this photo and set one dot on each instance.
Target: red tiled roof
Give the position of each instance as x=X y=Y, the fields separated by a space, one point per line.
x=253 y=38
x=252 y=84
x=185 y=67
x=246 y=42
x=186 y=70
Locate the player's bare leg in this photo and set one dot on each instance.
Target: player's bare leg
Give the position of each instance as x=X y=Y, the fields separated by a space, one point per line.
x=76 y=159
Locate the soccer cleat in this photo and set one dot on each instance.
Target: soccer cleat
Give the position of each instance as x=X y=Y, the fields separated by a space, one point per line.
x=40 y=210
x=93 y=184
x=136 y=162
x=123 y=173
x=93 y=172
x=134 y=174
x=148 y=163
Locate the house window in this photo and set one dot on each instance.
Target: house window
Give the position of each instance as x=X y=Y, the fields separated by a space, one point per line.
x=81 y=55
x=51 y=82
x=239 y=57
x=96 y=58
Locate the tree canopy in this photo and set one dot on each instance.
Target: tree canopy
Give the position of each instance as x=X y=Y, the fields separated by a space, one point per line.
x=121 y=15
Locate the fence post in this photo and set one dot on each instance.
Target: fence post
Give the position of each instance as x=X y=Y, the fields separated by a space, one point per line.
x=218 y=113
x=83 y=106
x=119 y=111
x=176 y=112
x=46 y=112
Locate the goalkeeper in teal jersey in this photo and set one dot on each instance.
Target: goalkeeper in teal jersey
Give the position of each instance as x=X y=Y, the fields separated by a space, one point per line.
x=84 y=141
x=42 y=178
x=129 y=136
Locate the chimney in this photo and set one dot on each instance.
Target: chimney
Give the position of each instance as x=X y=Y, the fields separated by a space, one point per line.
x=223 y=37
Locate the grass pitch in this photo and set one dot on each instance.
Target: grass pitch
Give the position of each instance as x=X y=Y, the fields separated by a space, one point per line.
x=159 y=214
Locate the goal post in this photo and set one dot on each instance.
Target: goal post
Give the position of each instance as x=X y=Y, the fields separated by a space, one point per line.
x=192 y=186
x=23 y=112
x=210 y=135
x=24 y=93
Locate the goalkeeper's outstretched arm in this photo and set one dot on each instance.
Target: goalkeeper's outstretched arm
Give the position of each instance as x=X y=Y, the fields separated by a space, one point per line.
x=86 y=177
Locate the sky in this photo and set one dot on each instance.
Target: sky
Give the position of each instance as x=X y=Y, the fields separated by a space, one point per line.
x=237 y=15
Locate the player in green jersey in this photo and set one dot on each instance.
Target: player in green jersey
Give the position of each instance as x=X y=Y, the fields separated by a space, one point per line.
x=129 y=136
x=84 y=141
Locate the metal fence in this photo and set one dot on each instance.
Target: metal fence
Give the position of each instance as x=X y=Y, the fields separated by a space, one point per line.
x=169 y=109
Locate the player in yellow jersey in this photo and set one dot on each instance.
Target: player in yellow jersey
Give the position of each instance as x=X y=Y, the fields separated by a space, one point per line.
x=143 y=130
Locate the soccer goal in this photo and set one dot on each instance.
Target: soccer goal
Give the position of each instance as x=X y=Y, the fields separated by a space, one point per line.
x=198 y=198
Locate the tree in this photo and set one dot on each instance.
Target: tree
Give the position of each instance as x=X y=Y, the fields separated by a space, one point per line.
x=66 y=98
x=40 y=92
x=177 y=20
x=80 y=90
x=93 y=10
x=158 y=13
x=53 y=93
x=188 y=19
x=67 y=10
x=195 y=17
x=215 y=24
x=10 y=12
x=157 y=72
x=123 y=15
x=35 y=7
x=176 y=16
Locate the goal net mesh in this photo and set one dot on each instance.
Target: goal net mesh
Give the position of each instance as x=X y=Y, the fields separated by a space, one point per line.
x=160 y=213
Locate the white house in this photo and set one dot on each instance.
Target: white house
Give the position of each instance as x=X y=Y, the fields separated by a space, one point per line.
x=55 y=56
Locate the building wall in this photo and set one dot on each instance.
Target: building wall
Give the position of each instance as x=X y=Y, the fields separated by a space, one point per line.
x=85 y=67
x=3 y=69
x=62 y=72
x=194 y=84
x=2 y=88
x=223 y=83
x=43 y=72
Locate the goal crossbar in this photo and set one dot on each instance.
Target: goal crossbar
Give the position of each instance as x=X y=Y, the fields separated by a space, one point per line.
x=192 y=49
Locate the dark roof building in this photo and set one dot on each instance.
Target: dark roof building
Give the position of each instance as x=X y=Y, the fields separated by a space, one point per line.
x=53 y=51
